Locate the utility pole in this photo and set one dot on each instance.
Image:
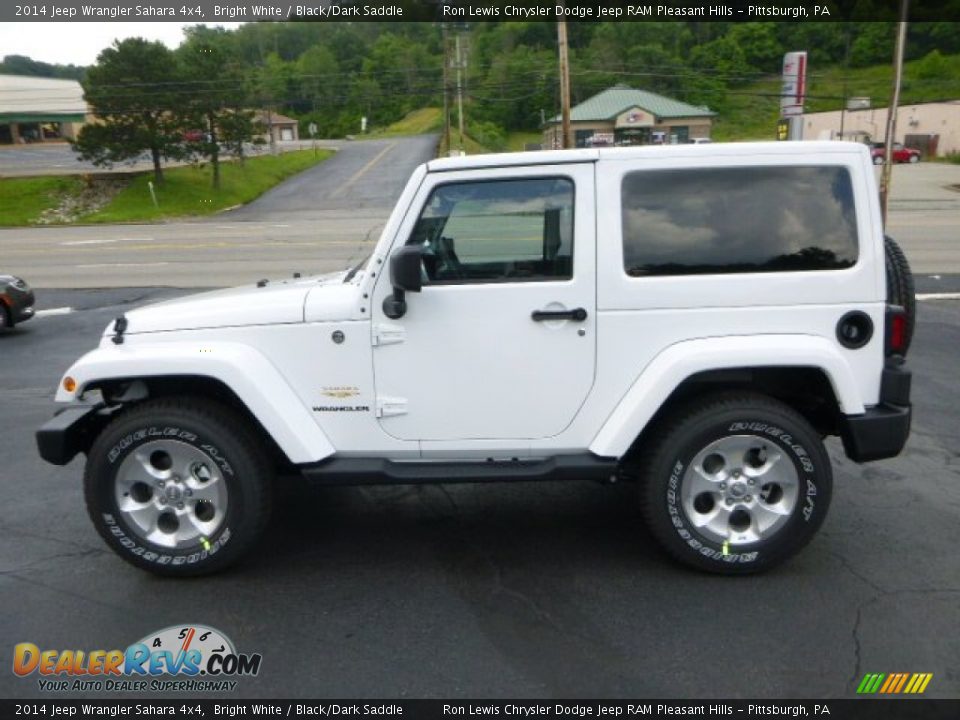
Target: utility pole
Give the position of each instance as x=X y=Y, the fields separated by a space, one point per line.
x=459 y=93
x=273 y=140
x=446 y=87
x=564 y=83
x=266 y=86
x=892 y=110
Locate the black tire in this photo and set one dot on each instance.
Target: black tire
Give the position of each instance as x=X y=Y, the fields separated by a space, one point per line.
x=5 y=318
x=694 y=428
x=236 y=455
x=900 y=288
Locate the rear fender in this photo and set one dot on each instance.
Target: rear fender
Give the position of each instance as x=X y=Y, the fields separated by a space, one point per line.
x=682 y=360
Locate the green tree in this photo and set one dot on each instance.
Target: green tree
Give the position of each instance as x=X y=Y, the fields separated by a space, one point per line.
x=520 y=84
x=215 y=92
x=410 y=72
x=318 y=70
x=761 y=48
x=22 y=65
x=872 y=45
x=932 y=66
x=131 y=90
x=272 y=84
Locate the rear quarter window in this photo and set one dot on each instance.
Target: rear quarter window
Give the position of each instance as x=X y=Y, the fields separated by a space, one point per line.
x=738 y=220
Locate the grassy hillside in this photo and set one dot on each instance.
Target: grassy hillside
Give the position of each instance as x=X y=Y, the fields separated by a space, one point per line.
x=752 y=110
x=24 y=200
x=186 y=191
x=418 y=122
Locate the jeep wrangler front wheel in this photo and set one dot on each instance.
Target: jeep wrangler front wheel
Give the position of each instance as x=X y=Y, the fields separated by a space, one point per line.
x=735 y=484
x=178 y=487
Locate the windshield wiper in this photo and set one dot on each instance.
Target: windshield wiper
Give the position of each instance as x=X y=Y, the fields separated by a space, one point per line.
x=355 y=269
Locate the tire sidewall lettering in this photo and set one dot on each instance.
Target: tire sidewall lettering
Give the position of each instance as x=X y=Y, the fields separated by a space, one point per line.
x=153 y=432
x=162 y=558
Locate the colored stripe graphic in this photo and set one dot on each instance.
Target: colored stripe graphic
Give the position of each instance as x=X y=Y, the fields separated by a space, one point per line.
x=870 y=683
x=900 y=684
x=894 y=683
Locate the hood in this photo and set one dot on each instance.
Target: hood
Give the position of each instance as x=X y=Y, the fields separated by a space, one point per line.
x=275 y=302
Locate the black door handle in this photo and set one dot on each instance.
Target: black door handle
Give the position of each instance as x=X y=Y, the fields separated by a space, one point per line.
x=577 y=315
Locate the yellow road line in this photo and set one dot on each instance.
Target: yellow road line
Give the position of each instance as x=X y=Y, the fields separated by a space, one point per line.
x=173 y=246
x=362 y=171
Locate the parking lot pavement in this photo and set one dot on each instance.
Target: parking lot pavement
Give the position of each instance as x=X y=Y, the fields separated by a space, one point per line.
x=520 y=590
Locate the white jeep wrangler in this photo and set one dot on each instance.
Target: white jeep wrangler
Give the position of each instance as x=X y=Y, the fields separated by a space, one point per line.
x=696 y=318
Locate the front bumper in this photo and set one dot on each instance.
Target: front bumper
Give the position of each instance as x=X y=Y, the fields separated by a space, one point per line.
x=25 y=314
x=69 y=432
x=882 y=431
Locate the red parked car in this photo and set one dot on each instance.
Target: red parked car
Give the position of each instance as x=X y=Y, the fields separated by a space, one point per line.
x=901 y=154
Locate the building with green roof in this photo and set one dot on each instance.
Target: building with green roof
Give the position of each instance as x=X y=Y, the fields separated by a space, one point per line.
x=36 y=109
x=623 y=115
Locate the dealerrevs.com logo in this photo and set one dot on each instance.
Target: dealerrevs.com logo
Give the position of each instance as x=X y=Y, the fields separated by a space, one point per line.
x=186 y=658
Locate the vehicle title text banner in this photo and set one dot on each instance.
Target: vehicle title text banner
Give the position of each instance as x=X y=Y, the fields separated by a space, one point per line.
x=844 y=709
x=467 y=11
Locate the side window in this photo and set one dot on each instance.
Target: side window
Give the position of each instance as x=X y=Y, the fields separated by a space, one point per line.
x=497 y=231
x=738 y=220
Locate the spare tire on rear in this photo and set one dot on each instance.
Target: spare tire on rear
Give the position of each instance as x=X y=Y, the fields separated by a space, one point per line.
x=900 y=290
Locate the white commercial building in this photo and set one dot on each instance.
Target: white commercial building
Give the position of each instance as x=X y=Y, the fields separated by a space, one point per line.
x=933 y=128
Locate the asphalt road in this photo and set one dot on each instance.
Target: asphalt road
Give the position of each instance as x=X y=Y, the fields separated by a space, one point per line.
x=532 y=590
x=315 y=222
x=320 y=219
x=60 y=159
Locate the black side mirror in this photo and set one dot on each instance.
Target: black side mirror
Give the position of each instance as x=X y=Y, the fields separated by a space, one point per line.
x=405 y=265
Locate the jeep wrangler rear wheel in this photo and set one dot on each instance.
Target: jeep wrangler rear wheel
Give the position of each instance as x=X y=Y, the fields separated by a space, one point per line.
x=178 y=487
x=735 y=484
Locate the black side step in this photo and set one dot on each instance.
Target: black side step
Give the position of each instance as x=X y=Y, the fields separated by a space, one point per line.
x=378 y=471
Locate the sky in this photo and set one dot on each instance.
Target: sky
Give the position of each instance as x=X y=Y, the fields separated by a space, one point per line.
x=79 y=43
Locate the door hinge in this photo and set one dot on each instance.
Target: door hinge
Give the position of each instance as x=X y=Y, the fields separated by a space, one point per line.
x=390 y=406
x=386 y=334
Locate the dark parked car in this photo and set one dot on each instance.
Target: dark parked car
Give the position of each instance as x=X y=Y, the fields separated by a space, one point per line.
x=901 y=154
x=16 y=301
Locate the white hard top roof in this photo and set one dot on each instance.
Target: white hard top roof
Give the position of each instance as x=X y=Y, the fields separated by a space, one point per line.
x=556 y=157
